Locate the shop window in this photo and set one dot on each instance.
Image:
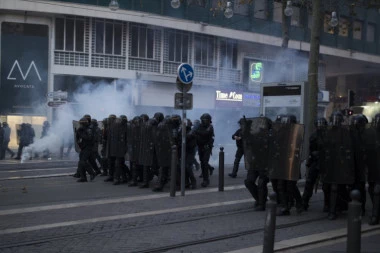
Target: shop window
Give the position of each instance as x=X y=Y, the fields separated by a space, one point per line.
x=371 y=32
x=277 y=12
x=343 y=26
x=357 y=30
x=326 y=24
x=178 y=46
x=296 y=17
x=241 y=7
x=204 y=50
x=69 y=34
x=142 y=42
x=108 y=37
x=261 y=9
x=228 y=54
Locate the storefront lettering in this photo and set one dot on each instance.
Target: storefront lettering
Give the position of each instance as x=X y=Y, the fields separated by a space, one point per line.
x=229 y=96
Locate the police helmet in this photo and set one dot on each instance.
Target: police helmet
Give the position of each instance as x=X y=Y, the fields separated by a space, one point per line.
x=336 y=119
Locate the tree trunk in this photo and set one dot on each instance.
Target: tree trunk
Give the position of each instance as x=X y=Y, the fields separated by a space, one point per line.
x=314 y=63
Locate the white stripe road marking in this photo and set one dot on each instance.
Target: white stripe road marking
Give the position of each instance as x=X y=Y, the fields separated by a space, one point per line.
x=32 y=170
x=306 y=240
x=32 y=162
x=110 y=201
x=123 y=216
x=39 y=176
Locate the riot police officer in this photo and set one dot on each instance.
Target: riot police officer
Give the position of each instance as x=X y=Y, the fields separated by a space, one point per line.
x=205 y=141
x=315 y=142
x=374 y=170
x=239 y=151
x=84 y=137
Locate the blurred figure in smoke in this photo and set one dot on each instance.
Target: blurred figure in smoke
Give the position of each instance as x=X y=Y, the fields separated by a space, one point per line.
x=205 y=141
x=26 y=135
x=6 y=140
x=44 y=133
x=191 y=143
x=97 y=140
x=239 y=152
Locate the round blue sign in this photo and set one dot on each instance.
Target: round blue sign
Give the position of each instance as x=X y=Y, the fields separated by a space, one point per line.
x=185 y=73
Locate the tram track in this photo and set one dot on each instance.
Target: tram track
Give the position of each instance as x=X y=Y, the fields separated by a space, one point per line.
x=153 y=224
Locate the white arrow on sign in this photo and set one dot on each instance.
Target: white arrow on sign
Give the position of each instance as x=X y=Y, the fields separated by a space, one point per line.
x=183 y=70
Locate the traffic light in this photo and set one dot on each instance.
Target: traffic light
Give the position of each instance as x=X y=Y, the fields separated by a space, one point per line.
x=351 y=98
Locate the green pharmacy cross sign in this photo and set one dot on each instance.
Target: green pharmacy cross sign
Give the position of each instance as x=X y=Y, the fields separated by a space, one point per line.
x=256 y=71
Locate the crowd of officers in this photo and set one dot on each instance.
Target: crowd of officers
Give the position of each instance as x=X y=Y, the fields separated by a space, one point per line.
x=342 y=157
x=147 y=143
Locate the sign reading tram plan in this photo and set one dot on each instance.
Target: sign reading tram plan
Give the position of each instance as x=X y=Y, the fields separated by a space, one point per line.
x=185 y=73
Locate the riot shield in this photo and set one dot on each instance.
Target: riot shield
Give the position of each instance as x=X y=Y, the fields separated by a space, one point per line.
x=75 y=128
x=147 y=143
x=336 y=157
x=135 y=134
x=372 y=154
x=286 y=144
x=117 y=138
x=163 y=144
x=255 y=133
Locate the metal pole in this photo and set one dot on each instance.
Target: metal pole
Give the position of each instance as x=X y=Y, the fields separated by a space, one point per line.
x=173 y=171
x=183 y=150
x=354 y=223
x=221 y=169
x=270 y=224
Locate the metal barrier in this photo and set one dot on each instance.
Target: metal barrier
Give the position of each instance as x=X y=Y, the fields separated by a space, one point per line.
x=221 y=169
x=354 y=223
x=270 y=224
x=173 y=172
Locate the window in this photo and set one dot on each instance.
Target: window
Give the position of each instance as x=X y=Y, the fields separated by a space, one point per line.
x=178 y=46
x=228 y=54
x=371 y=32
x=142 y=42
x=357 y=30
x=204 y=50
x=69 y=34
x=277 y=12
x=108 y=37
x=261 y=9
x=241 y=7
x=326 y=24
x=296 y=17
x=343 y=27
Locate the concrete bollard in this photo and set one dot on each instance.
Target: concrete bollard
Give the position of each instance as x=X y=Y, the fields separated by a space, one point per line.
x=270 y=224
x=173 y=172
x=354 y=223
x=221 y=169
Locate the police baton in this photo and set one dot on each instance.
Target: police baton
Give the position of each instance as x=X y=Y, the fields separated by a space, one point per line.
x=270 y=224
x=173 y=173
x=221 y=169
x=354 y=223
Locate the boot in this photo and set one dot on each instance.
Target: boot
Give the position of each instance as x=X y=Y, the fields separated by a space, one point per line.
x=145 y=177
x=376 y=207
x=205 y=183
x=283 y=197
x=333 y=199
x=134 y=176
x=233 y=174
x=161 y=183
x=252 y=188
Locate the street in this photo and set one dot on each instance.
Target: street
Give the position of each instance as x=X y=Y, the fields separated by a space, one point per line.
x=44 y=209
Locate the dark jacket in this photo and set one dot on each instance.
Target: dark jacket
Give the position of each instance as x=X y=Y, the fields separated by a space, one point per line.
x=239 y=143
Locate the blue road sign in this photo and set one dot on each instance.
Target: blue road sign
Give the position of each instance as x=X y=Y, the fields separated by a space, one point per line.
x=185 y=73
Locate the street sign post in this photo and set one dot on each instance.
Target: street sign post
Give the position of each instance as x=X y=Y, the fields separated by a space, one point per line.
x=56 y=104
x=56 y=98
x=184 y=101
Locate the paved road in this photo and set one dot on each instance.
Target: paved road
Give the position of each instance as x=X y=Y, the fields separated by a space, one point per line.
x=45 y=213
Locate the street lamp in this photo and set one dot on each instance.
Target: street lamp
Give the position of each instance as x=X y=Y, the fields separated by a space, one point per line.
x=288 y=10
x=175 y=4
x=114 y=5
x=334 y=19
x=229 y=12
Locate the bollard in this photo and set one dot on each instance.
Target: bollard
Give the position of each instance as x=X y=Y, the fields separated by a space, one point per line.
x=221 y=169
x=173 y=172
x=270 y=224
x=354 y=223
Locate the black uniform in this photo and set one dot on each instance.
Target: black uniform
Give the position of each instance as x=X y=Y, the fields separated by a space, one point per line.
x=84 y=137
x=6 y=140
x=239 y=152
x=26 y=135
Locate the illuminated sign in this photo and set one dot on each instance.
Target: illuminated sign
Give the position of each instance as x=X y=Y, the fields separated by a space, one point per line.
x=232 y=96
x=256 y=71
